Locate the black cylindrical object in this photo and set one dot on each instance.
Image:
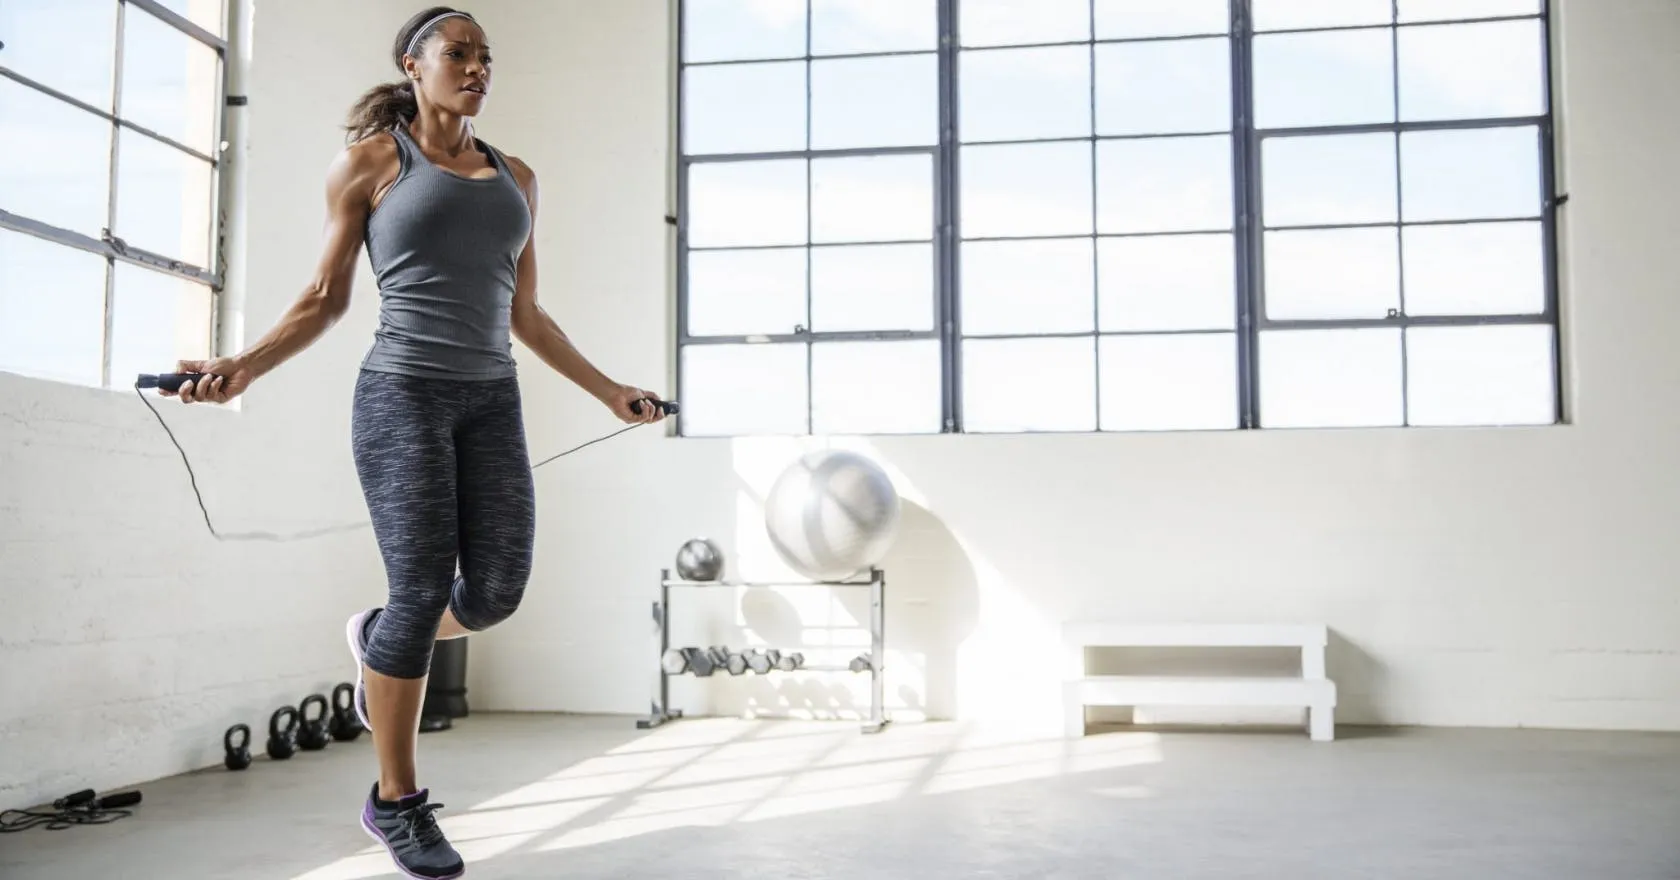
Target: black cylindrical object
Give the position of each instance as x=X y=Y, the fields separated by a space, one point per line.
x=446 y=688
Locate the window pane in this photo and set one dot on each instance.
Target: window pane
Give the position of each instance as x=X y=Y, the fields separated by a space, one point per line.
x=1026 y=189
x=1021 y=94
x=1164 y=185
x=843 y=27
x=1488 y=375
x=737 y=30
x=156 y=320
x=1176 y=282
x=1332 y=273
x=1330 y=378
x=1273 y=15
x=746 y=203
x=1472 y=71
x=744 y=108
x=1331 y=78
x=1471 y=174
x=1119 y=19
x=744 y=389
x=1344 y=178
x=163 y=199
x=52 y=310
x=66 y=184
x=876 y=387
x=1033 y=286
x=170 y=81
x=1164 y=87
x=1169 y=383
x=1475 y=269
x=874 y=102
x=1457 y=10
x=69 y=45
x=206 y=14
x=872 y=287
x=1022 y=22
x=736 y=293
x=872 y=198
x=1020 y=385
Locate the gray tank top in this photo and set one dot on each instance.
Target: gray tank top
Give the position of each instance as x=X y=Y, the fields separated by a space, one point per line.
x=444 y=249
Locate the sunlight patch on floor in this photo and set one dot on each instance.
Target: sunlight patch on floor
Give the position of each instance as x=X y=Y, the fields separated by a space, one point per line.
x=716 y=772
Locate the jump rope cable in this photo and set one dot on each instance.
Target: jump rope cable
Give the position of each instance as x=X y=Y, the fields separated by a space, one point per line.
x=81 y=808
x=312 y=533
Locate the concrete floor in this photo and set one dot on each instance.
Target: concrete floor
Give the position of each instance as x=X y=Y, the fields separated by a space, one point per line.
x=580 y=797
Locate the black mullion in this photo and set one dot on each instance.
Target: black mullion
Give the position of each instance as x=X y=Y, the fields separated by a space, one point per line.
x=1395 y=22
x=681 y=220
x=1398 y=126
x=788 y=59
x=810 y=350
x=950 y=237
x=1399 y=210
x=1245 y=144
x=1550 y=199
x=1096 y=280
x=111 y=182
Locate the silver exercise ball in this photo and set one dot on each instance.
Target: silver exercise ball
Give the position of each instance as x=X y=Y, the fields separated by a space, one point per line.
x=832 y=514
x=698 y=559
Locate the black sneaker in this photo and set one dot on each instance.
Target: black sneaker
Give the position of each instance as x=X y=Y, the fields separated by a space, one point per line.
x=411 y=835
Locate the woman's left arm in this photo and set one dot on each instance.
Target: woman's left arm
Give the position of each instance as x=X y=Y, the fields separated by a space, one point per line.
x=533 y=326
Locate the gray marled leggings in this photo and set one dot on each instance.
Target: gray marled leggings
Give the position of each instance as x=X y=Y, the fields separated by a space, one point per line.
x=447 y=477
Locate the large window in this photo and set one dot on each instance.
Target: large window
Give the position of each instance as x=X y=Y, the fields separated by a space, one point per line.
x=913 y=216
x=109 y=172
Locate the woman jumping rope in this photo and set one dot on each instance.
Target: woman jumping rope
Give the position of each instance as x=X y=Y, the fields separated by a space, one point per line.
x=436 y=423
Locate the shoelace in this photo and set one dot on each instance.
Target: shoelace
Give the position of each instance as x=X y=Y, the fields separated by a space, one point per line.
x=421 y=826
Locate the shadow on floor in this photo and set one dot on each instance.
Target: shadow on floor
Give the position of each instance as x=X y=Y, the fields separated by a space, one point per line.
x=569 y=796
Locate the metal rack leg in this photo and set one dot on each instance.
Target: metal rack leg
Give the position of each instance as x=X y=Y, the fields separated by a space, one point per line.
x=661 y=711
x=877 y=651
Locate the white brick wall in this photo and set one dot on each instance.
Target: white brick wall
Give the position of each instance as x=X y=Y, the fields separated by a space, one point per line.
x=1472 y=577
x=131 y=639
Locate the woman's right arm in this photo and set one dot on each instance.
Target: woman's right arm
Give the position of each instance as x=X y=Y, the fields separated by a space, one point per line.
x=351 y=180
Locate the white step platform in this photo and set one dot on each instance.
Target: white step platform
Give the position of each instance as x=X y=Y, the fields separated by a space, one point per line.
x=1312 y=689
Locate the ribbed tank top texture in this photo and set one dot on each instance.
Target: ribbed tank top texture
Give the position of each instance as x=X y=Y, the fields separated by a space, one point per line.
x=444 y=249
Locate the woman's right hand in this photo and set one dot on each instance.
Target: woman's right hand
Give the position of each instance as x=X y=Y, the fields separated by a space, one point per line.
x=224 y=379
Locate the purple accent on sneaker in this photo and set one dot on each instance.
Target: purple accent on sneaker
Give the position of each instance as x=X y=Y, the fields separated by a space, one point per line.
x=354 y=634
x=367 y=826
x=371 y=827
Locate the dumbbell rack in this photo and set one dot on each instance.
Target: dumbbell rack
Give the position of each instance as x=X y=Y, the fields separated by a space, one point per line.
x=877 y=586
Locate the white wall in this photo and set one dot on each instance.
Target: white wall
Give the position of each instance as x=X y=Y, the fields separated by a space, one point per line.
x=131 y=639
x=1471 y=577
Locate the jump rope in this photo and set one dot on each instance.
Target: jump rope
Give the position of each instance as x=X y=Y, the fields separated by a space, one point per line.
x=175 y=380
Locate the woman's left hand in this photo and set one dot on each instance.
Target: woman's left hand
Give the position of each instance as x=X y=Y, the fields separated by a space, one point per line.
x=622 y=396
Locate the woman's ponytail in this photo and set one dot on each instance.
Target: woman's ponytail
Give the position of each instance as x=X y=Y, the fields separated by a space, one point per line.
x=382 y=108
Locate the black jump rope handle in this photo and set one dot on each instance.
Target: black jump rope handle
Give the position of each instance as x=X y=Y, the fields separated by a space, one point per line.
x=669 y=406
x=167 y=381
x=172 y=381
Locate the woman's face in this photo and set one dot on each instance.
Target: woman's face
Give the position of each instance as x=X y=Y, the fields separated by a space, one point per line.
x=454 y=67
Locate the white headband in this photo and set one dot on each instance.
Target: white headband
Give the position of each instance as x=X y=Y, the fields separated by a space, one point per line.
x=412 y=44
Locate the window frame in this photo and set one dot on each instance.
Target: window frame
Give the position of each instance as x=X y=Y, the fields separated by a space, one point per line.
x=1248 y=228
x=112 y=247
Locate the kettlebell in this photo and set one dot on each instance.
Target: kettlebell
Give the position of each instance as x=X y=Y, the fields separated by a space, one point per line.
x=344 y=726
x=282 y=741
x=238 y=756
x=312 y=732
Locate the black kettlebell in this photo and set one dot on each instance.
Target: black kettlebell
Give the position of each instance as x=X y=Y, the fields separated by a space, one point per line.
x=345 y=725
x=238 y=756
x=282 y=741
x=312 y=732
